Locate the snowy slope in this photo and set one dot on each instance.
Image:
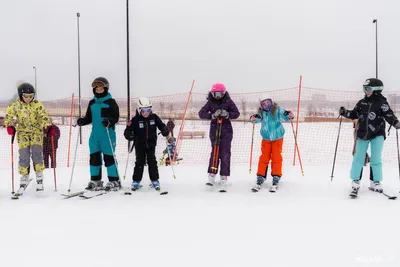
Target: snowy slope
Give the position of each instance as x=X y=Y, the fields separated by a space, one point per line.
x=310 y=221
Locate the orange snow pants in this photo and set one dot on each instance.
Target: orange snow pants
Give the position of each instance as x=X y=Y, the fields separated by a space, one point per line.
x=270 y=150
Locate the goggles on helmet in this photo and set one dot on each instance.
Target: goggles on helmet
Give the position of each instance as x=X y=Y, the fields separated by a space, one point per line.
x=97 y=84
x=218 y=95
x=145 y=110
x=266 y=104
x=370 y=89
x=26 y=95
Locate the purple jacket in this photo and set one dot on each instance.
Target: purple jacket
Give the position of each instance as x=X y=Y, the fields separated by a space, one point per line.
x=213 y=105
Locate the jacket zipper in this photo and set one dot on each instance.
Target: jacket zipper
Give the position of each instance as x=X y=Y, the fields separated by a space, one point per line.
x=369 y=109
x=147 y=134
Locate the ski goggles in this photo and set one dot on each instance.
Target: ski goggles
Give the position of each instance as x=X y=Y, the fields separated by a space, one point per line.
x=218 y=95
x=266 y=104
x=98 y=84
x=145 y=110
x=370 y=89
x=28 y=96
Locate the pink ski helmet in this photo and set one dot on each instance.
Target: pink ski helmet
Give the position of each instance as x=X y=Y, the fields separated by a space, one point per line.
x=218 y=90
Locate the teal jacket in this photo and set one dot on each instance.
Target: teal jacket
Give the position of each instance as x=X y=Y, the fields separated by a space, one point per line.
x=271 y=126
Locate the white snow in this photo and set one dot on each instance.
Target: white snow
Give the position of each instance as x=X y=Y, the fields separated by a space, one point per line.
x=310 y=221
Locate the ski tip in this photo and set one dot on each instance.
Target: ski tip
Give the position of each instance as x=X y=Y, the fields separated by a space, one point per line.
x=128 y=193
x=164 y=193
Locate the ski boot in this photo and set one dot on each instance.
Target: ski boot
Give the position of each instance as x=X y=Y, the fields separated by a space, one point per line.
x=211 y=179
x=39 y=181
x=355 y=186
x=260 y=181
x=156 y=185
x=135 y=185
x=94 y=185
x=376 y=186
x=222 y=184
x=275 y=182
x=113 y=186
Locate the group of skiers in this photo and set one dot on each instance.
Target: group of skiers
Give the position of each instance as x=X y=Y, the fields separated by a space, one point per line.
x=27 y=118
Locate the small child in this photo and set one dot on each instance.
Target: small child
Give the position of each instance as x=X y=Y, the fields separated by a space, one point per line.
x=220 y=110
x=142 y=129
x=270 y=115
x=31 y=118
x=103 y=113
x=169 y=151
x=371 y=112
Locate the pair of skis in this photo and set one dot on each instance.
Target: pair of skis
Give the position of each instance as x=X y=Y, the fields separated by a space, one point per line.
x=22 y=190
x=258 y=187
x=354 y=193
x=221 y=190
x=86 y=194
x=158 y=189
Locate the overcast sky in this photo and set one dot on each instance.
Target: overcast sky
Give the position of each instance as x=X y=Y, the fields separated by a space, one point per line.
x=250 y=45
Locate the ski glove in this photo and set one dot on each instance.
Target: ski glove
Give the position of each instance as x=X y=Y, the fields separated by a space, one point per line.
x=220 y=113
x=254 y=117
x=11 y=130
x=216 y=114
x=106 y=123
x=342 y=111
x=289 y=114
x=129 y=135
x=80 y=122
x=165 y=131
x=224 y=114
x=397 y=125
x=50 y=131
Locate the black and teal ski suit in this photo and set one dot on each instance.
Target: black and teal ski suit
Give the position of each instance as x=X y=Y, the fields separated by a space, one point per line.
x=99 y=110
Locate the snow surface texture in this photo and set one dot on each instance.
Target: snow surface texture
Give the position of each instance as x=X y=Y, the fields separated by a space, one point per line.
x=310 y=221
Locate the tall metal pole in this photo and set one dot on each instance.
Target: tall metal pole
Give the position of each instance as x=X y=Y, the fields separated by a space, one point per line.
x=78 y=15
x=376 y=46
x=128 y=69
x=35 y=82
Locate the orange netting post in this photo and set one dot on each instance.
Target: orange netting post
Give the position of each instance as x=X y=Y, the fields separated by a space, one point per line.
x=182 y=124
x=297 y=120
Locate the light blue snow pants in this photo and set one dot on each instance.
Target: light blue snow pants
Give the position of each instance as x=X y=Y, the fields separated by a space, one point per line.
x=376 y=158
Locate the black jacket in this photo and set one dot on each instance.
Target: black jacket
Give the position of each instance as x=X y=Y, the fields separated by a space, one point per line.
x=371 y=113
x=145 y=129
x=107 y=108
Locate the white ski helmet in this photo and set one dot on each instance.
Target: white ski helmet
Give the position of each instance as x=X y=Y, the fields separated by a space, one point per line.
x=143 y=103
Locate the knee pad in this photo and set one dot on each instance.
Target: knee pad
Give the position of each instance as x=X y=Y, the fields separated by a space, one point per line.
x=108 y=160
x=95 y=159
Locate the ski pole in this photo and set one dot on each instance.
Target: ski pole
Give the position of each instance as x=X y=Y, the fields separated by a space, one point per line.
x=112 y=150
x=251 y=149
x=73 y=163
x=297 y=147
x=215 y=159
x=12 y=163
x=398 y=150
x=53 y=161
x=127 y=160
x=337 y=142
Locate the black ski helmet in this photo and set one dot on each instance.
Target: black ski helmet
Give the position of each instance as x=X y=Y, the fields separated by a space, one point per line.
x=105 y=83
x=374 y=84
x=25 y=88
